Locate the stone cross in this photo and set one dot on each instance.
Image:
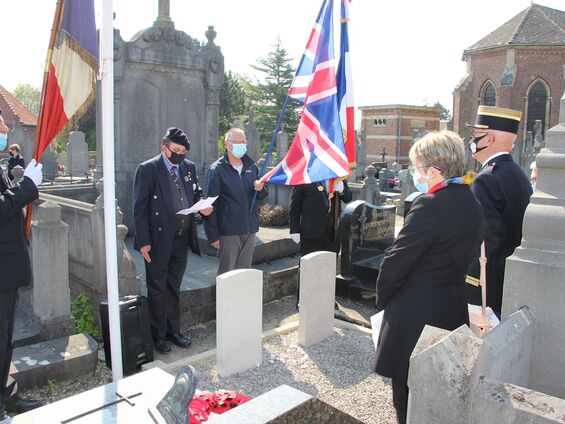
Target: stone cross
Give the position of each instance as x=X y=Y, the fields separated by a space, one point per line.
x=384 y=153
x=164 y=10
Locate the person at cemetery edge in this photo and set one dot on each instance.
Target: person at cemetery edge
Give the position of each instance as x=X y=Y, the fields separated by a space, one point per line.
x=504 y=192
x=422 y=278
x=16 y=272
x=314 y=216
x=15 y=159
x=163 y=186
x=231 y=228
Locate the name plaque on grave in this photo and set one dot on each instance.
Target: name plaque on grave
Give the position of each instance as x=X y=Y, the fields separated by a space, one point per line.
x=366 y=231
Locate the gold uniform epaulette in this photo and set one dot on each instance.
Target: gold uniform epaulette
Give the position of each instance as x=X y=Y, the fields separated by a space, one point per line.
x=473 y=281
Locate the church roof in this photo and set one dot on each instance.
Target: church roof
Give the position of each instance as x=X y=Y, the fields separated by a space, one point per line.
x=13 y=109
x=535 y=26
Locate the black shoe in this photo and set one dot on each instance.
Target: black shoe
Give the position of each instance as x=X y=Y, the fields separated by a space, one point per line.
x=179 y=340
x=174 y=405
x=162 y=346
x=17 y=405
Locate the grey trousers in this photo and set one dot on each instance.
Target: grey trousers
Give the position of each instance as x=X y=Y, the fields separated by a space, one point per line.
x=236 y=252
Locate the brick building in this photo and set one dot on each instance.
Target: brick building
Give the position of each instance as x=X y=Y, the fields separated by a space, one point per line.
x=391 y=129
x=21 y=122
x=521 y=66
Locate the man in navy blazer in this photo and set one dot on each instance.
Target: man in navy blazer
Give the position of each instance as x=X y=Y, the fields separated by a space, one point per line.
x=163 y=186
x=15 y=272
x=504 y=191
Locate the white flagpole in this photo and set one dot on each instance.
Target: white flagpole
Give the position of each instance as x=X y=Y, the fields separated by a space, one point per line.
x=107 y=77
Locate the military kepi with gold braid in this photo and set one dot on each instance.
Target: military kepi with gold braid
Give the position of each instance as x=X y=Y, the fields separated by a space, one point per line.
x=497 y=118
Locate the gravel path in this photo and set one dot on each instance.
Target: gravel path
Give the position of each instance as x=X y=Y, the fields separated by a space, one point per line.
x=337 y=371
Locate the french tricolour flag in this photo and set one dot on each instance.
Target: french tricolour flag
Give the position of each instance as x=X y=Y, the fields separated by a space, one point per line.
x=69 y=86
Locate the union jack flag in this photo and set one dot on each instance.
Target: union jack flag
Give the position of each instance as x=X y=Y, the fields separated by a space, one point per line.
x=317 y=152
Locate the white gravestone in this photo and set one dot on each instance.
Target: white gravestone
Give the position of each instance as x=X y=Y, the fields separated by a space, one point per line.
x=317 y=297
x=239 y=319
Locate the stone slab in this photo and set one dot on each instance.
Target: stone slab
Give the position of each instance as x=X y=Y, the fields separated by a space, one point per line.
x=440 y=370
x=57 y=359
x=284 y=405
x=239 y=320
x=496 y=402
x=152 y=386
x=317 y=297
x=506 y=352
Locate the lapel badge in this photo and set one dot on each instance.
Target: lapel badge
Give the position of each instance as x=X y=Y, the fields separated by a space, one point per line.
x=320 y=188
x=186 y=177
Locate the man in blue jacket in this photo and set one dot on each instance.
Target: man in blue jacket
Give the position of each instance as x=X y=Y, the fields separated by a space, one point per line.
x=163 y=186
x=232 y=226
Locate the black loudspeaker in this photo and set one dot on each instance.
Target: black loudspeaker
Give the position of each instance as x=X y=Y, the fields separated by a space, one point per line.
x=137 y=343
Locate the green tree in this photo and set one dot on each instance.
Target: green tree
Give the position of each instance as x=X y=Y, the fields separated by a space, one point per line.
x=234 y=102
x=29 y=96
x=269 y=94
x=445 y=112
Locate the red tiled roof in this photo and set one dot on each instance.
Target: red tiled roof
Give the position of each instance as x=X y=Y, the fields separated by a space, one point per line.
x=535 y=26
x=13 y=109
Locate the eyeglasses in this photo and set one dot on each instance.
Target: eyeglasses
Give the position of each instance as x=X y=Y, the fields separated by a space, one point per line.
x=413 y=169
x=179 y=151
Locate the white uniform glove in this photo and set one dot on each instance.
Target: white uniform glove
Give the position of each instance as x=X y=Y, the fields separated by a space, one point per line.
x=34 y=172
x=295 y=237
x=338 y=187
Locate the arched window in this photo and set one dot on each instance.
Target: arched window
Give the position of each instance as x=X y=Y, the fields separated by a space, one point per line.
x=537 y=104
x=488 y=94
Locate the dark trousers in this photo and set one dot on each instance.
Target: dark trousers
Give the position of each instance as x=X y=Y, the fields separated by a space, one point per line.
x=163 y=289
x=400 y=399
x=7 y=312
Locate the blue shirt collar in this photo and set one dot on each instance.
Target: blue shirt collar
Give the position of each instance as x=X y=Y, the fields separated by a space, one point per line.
x=169 y=165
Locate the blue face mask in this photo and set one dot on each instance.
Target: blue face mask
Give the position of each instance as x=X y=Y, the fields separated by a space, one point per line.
x=421 y=187
x=3 y=141
x=238 y=150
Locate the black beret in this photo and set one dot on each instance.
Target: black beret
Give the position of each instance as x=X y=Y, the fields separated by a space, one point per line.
x=174 y=135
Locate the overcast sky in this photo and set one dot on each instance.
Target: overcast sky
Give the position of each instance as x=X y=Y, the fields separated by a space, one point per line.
x=403 y=51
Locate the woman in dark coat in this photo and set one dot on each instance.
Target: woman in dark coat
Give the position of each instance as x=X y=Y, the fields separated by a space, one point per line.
x=422 y=278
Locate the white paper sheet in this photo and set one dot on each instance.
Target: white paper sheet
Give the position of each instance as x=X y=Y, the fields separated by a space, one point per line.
x=376 y=321
x=198 y=206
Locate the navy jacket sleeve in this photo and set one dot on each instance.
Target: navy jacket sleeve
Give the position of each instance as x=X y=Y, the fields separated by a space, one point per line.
x=13 y=200
x=346 y=196
x=489 y=194
x=142 y=184
x=413 y=241
x=213 y=187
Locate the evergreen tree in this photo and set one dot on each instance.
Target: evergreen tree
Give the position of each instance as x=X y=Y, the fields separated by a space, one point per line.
x=445 y=112
x=234 y=100
x=269 y=94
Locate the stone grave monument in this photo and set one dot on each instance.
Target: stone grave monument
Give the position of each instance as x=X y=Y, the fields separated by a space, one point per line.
x=366 y=231
x=162 y=78
x=77 y=154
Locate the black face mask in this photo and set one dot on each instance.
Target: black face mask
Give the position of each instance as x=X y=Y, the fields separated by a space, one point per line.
x=473 y=140
x=176 y=158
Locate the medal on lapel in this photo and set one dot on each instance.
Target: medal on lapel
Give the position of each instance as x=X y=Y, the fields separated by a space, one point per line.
x=186 y=177
x=320 y=188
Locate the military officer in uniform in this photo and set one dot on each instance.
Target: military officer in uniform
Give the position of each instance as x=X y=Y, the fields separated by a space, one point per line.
x=504 y=191
x=163 y=186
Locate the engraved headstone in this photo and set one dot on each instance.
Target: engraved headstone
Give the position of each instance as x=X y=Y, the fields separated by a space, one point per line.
x=366 y=231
